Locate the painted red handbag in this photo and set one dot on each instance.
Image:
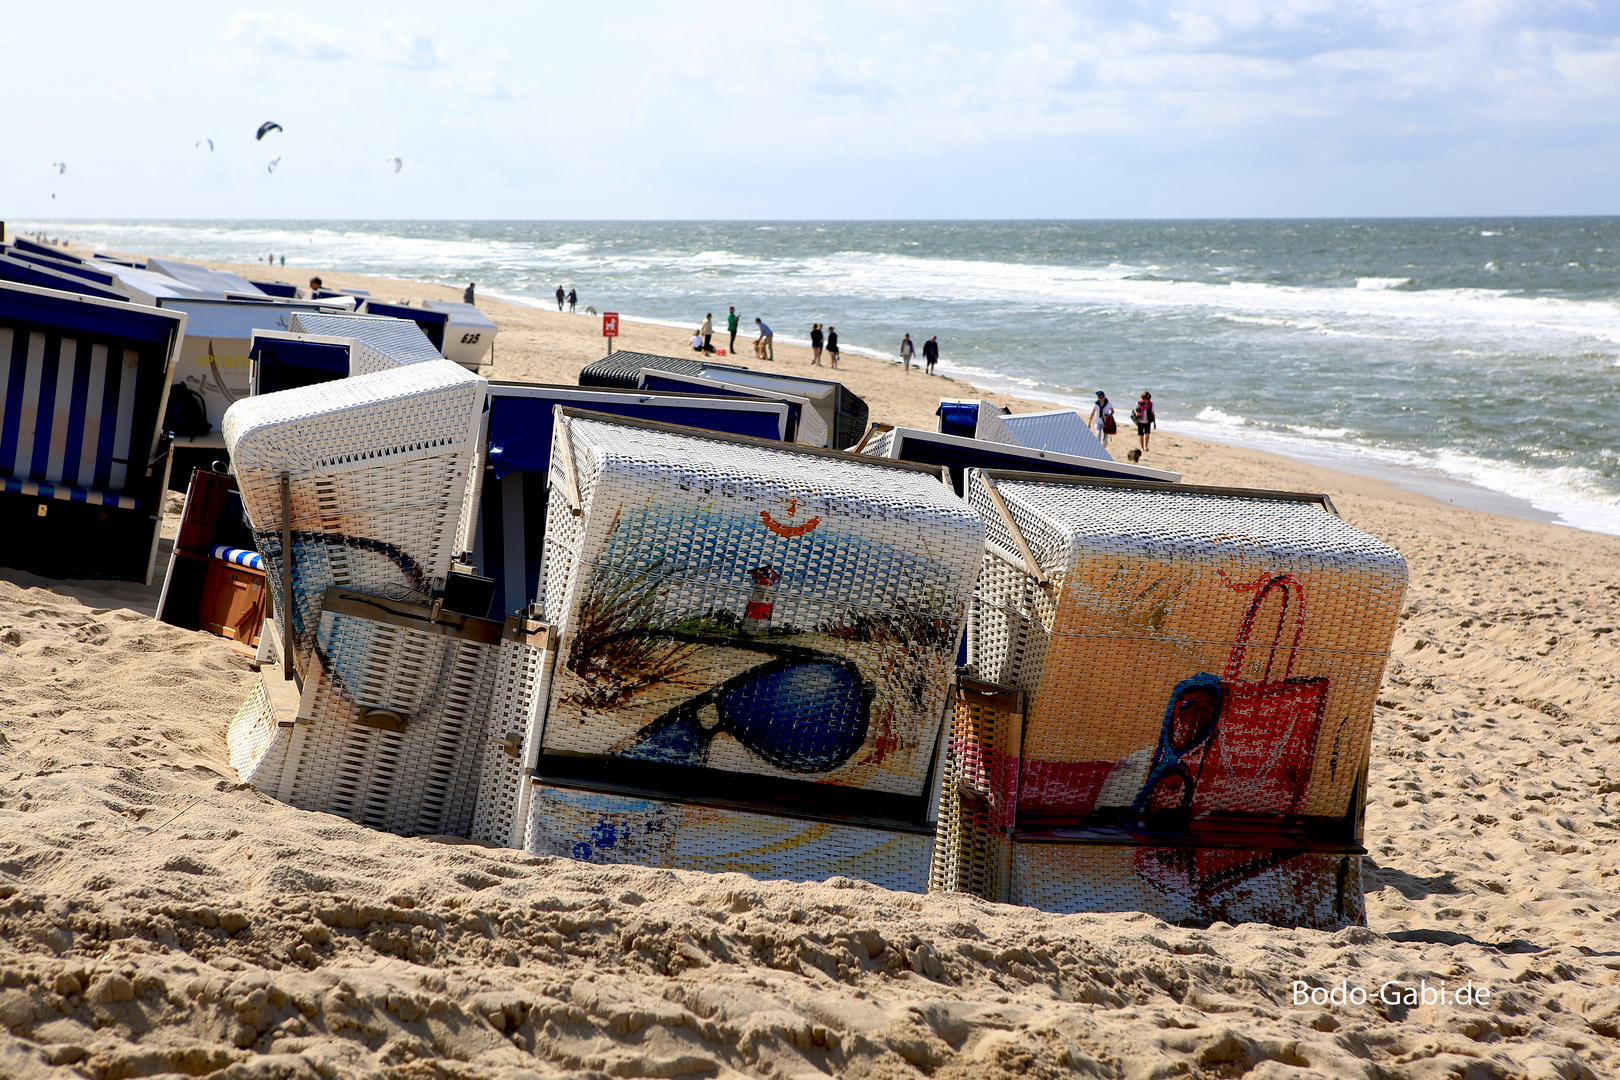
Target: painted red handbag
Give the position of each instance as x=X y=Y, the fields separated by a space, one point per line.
x=1264 y=745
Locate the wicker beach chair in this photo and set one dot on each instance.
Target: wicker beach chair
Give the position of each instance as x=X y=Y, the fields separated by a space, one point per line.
x=754 y=648
x=959 y=454
x=84 y=384
x=361 y=492
x=807 y=425
x=1058 y=431
x=1170 y=702
x=511 y=538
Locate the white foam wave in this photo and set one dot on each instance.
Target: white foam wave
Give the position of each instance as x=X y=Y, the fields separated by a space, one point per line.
x=1576 y=496
x=1374 y=283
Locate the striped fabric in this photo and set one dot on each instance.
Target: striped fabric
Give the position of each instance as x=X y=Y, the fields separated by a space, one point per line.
x=240 y=556
x=67 y=493
x=67 y=409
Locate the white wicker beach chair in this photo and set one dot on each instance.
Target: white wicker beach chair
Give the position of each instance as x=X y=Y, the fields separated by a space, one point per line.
x=754 y=648
x=370 y=480
x=1171 y=702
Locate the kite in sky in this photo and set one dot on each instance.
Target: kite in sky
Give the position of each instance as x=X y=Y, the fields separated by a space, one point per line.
x=266 y=128
x=210 y=143
x=397 y=163
x=274 y=162
x=59 y=166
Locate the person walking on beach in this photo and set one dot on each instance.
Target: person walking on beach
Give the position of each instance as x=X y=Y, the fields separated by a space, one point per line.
x=708 y=333
x=907 y=351
x=816 y=339
x=467 y=296
x=573 y=298
x=1102 y=417
x=561 y=296
x=1143 y=415
x=764 y=345
x=731 y=328
x=931 y=353
x=832 y=346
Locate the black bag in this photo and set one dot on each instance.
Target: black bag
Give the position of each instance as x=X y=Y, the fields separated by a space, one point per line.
x=187 y=413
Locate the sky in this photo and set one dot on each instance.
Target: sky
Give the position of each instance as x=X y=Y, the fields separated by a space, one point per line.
x=876 y=109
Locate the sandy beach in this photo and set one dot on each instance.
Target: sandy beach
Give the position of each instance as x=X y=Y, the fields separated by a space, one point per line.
x=159 y=918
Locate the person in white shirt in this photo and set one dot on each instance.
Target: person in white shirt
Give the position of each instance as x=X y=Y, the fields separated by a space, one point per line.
x=1101 y=418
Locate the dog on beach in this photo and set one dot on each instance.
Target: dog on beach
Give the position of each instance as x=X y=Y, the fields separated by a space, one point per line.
x=1133 y=456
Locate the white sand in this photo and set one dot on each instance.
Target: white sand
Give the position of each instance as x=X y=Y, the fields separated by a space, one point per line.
x=158 y=917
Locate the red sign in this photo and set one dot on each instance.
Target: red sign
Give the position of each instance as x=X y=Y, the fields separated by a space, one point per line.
x=610 y=324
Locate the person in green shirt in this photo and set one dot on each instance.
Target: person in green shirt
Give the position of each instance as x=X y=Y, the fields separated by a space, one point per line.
x=731 y=327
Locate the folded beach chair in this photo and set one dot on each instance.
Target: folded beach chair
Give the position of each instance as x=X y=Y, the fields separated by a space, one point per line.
x=511 y=537
x=44 y=274
x=215 y=363
x=622 y=369
x=959 y=454
x=469 y=334
x=806 y=424
x=84 y=383
x=432 y=323
x=206 y=282
x=754 y=648
x=361 y=494
x=1058 y=431
x=321 y=346
x=1169 y=702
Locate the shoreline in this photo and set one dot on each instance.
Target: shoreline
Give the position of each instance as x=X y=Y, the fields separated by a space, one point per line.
x=1362 y=462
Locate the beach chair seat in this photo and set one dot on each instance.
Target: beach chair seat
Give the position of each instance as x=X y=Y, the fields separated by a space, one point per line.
x=1169 y=702
x=753 y=650
x=378 y=477
x=83 y=387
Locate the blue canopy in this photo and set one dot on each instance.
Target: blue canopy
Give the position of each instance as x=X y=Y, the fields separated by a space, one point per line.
x=520 y=427
x=283 y=364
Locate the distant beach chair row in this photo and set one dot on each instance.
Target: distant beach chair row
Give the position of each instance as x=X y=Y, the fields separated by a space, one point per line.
x=99 y=358
x=937 y=661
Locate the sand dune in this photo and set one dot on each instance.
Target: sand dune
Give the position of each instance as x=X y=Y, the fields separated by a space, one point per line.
x=156 y=917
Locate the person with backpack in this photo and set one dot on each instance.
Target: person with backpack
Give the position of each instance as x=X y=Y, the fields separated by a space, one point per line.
x=1143 y=415
x=1102 y=415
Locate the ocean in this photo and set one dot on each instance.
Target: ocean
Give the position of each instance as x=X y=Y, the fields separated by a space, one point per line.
x=1483 y=354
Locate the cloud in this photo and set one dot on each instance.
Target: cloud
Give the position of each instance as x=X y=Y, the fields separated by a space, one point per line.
x=484 y=85
x=288 y=34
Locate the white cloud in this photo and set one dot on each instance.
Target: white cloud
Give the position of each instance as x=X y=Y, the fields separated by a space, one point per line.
x=289 y=34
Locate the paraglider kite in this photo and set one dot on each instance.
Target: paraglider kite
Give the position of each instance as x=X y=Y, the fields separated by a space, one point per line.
x=274 y=162
x=266 y=128
x=210 y=143
x=397 y=163
x=59 y=166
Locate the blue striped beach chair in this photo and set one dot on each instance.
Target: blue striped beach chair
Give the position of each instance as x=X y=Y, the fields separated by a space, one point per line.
x=83 y=387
